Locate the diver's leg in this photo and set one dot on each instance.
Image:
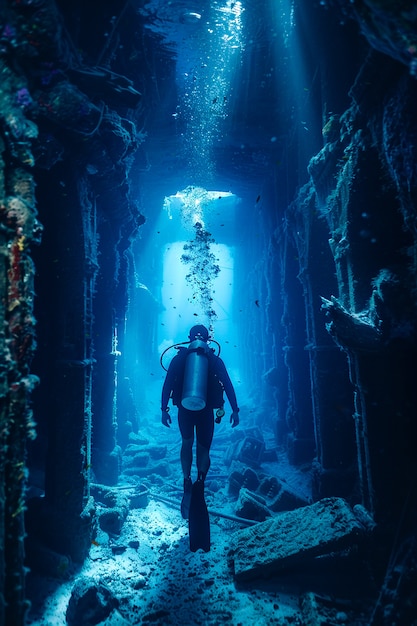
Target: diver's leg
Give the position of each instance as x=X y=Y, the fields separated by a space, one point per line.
x=187 y=434
x=199 y=522
x=186 y=427
x=186 y=462
x=203 y=461
x=204 y=432
x=187 y=456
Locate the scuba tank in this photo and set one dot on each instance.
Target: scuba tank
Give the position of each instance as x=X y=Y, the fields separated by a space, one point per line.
x=194 y=390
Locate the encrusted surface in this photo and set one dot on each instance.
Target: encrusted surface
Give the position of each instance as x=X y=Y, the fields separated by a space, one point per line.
x=323 y=527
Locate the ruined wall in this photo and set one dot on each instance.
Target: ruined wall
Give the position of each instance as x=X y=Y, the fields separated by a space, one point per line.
x=349 y=237
x=65 y=154
x=19 y=230
x=371 y=218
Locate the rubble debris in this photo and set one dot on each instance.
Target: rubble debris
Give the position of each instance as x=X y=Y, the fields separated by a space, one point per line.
x=249 y=448
x=276 y=494
x=111 y=521
x=140 y=498
x=155 y=452
x=90 y=603
x=286 y=500
x=269 y=487
x=251 y=506
x=328 y=525
x=242 y=476
x=321 y=611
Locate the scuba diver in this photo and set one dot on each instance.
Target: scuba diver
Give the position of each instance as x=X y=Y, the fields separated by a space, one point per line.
x=195 y=381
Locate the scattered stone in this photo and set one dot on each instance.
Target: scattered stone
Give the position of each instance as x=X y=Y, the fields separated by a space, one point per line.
x=269 y=487
x=153 y=451
x=139 y=582
x=287 y=500
x=104 y=495
x=250 y=506
x=111 y=521
x=161 y=469
x=364 y=517
x=250 y=479
x=140 y=499
x=213 y=485
x=115 y=619
x=137 y=439
x=241 y=475
x=249 y=450
x=90 y=603
x=141 y=459
x=157 y=617
x=118 y=549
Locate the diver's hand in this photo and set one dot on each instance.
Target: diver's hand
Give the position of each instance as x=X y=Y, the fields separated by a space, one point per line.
x=166 y=420
x=234 y=419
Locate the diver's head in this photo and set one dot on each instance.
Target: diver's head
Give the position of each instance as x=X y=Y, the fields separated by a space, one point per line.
x=198 y=332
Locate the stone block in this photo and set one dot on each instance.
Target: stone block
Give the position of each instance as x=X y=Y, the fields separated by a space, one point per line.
x=267 y=548
x=250 y=506
x=286 y=500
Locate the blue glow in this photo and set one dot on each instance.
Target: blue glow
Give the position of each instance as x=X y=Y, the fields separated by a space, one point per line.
x=183 y=298
x=181 y=308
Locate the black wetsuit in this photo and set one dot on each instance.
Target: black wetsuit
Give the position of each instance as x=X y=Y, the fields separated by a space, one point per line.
x=202 y=421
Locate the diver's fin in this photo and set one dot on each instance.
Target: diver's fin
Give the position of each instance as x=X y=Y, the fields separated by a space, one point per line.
x=198 y=521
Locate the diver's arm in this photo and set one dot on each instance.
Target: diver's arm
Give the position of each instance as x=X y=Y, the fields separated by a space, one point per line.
x=166 y=391
x=166 y=394
x=230 y=392
x=228 y=386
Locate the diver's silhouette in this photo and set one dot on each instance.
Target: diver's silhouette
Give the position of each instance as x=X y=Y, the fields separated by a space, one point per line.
x=195 y=381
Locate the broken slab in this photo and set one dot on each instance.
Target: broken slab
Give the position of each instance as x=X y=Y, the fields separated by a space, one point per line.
x=329 y=525
x=251 y=506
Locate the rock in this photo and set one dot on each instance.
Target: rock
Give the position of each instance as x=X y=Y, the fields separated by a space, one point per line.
x=90 y=603
x=235 y=483
x=287 y=500
x=269 y=487
x=111 y=521
x=137 y=439
x=108 y=496
x=213 y=485
x=115 y=619
x=139 y=582
x=248 y=450
x=241 y=476
x=161 y=469
x=118 y=549
x=155 y=452
x=250 y=506
x=323 y=527
x=139 y=459
x=250 y=479
x=140 y=499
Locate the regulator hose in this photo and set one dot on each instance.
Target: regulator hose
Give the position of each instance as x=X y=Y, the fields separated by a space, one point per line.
x=183 y=343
